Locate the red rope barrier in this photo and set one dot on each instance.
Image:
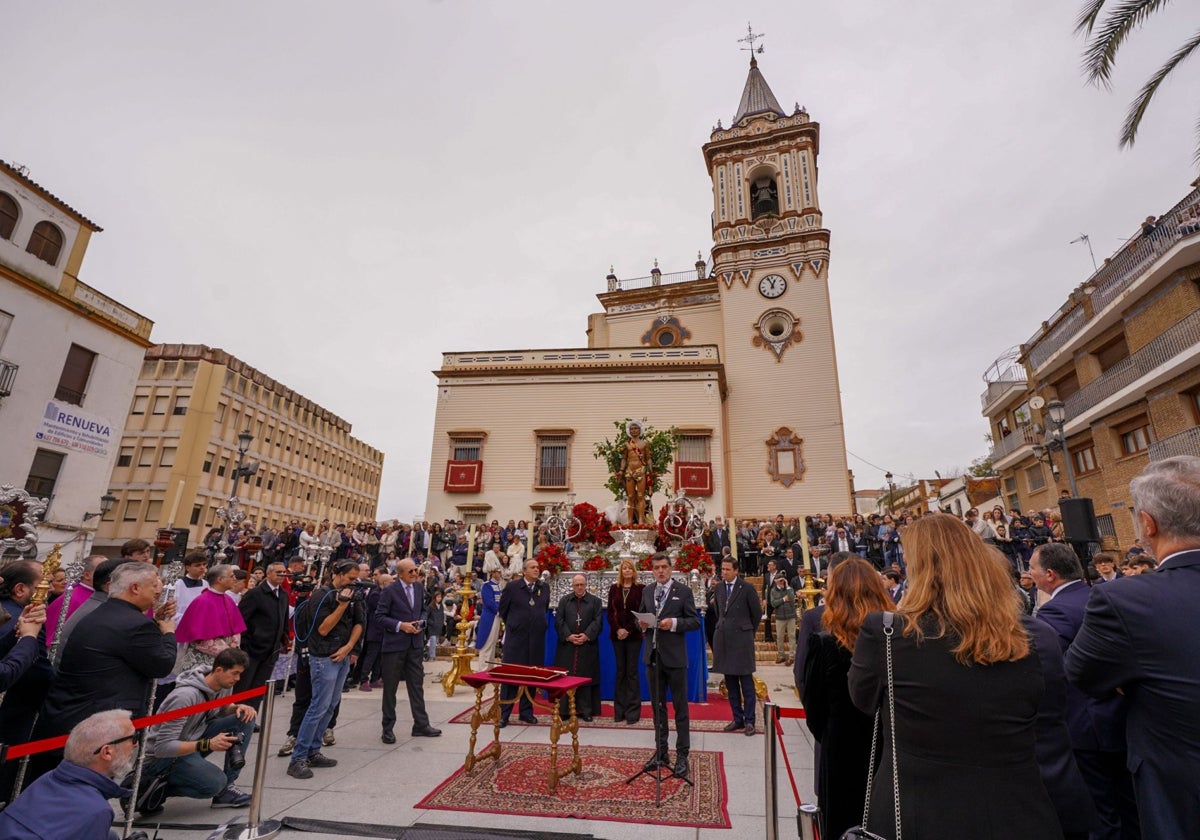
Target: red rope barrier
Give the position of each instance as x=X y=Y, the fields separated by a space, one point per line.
x=59 y=741
x=792 y=713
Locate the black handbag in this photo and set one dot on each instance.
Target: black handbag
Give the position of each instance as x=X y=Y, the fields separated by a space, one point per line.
x=860 y=832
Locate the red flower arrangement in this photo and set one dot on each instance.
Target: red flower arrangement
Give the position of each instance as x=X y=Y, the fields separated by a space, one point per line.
x=551 y=558
x=644 y=563
x=596 y=564
x=594 y=526
x=693 y=556
x=664 y=539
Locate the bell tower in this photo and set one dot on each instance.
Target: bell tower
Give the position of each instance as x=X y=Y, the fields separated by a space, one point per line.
x=785 y=443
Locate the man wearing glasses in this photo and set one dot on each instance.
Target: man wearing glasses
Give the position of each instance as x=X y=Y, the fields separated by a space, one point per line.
x=72 y=800
x=401 y=614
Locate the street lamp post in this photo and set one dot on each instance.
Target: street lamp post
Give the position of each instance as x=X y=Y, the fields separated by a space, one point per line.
x=891 y=493
x=1056 y=438
x=106 y=504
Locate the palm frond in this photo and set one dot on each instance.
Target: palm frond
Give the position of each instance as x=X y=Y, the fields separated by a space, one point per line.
x=1101 y=51
x=1137 y=110
x=1087 y=16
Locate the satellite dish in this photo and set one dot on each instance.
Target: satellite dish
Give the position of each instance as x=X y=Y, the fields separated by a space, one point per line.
x=1037 y=403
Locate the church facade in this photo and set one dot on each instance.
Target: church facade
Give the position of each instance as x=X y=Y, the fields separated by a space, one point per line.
x=737 y=354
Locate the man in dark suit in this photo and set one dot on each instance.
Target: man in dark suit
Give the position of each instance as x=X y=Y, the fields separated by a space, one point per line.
x=1096 y=727
x=265 y=611
x=111 y=660
x=718 y=538
x=844 y=541
x=401 y=614
x=664 y=653
x=1138 y=636
x=523 y=607
x=24 y=697
x=738 y=613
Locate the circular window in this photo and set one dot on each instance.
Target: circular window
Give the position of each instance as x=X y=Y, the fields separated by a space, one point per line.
x=666 y=338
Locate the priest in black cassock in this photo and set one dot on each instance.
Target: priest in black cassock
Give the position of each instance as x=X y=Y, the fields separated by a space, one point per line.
x=578 y=622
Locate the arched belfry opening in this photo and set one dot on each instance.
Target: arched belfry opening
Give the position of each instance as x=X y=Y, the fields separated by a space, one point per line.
x=764 y=196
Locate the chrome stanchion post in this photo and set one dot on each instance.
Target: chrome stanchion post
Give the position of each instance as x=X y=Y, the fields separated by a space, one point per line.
x=806 y=819
x=769 y=717
x=255 y=828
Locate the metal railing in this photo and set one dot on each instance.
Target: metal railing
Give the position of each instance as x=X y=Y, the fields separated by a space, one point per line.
x=995 y=390
x=1184 y=443
x=1023 y=436
x=8 y=373
x=1184 y=335
x=671 y=278
x=1116 y=275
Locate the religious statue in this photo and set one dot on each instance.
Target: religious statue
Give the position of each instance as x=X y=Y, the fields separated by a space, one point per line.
x=635 y=465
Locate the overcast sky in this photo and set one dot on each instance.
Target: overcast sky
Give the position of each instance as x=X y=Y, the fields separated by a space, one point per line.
x=336 y=193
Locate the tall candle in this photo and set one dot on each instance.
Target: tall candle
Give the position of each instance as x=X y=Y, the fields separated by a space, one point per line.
x=175 y=504
x=807 y=558
x=470 y=547
x=530 y=528
x=733 y=540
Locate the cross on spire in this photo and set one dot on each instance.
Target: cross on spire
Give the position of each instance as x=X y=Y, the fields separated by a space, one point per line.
x=750 y=39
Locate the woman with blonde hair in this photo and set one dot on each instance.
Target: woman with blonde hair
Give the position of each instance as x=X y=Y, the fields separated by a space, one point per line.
x=624 y=597
x=854 y=589
x=967 y=685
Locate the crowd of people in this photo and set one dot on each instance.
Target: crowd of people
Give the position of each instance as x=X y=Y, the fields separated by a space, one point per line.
x=1061 y=693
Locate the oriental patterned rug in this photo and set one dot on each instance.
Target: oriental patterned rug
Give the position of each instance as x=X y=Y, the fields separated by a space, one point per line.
x=704 y=717
x=517 y=783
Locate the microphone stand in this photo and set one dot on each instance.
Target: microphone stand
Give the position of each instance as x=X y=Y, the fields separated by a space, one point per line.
x=656 y=689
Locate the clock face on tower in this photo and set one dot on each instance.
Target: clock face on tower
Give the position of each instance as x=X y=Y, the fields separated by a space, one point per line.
x=772 y=286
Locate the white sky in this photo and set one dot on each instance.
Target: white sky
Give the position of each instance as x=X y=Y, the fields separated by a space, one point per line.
x=337 y=193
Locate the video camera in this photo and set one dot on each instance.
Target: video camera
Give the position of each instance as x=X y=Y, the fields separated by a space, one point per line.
x=358 y=591
x=303 y=583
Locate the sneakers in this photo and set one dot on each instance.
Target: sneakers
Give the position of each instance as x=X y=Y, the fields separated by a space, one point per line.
x=328 y=739
x=299 y=770
x=233 y=797
x=288 y=746
x=319 y=760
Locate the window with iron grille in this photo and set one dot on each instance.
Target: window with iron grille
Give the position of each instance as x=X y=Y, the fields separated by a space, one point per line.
x=693 y=448
x=43 y=473
x=552 y=460
x=466 y=448
x=1104 y=524
x=77 y=370
x=1035 y=478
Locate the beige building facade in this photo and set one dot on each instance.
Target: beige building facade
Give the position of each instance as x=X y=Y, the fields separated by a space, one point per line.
x=1123 y=355
x=177 y=455
x=722 y=352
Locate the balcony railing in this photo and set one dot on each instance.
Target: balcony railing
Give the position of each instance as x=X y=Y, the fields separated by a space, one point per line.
x=624 y=285
x=996 y=390
x=1184 y=443
x=8 y=374
x=1023 y=436
x=1172 y=341
x=1116 y=275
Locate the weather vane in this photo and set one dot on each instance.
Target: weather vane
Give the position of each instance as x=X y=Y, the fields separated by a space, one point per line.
x=750 y=39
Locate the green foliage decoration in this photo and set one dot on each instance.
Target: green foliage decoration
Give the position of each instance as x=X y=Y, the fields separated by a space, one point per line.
x=661 y=444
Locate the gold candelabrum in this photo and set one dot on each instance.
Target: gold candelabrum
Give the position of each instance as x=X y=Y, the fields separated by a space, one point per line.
x=50 y=565
x=462 y=654
x=810 y=590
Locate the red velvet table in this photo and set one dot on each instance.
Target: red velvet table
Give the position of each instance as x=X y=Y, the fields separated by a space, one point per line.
x=556 y=688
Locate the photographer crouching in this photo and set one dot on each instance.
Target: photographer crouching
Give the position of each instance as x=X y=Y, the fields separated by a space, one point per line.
x=331 y=621
x=178 y=748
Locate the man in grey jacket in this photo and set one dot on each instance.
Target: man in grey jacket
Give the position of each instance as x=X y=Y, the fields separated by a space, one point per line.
x=178 y=747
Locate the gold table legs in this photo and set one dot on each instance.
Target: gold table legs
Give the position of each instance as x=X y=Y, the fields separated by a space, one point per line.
x=557 y=727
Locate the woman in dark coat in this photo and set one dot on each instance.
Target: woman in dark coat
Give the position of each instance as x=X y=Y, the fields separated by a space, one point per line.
x=968 y=686
x=854 y=589
x=624 y=597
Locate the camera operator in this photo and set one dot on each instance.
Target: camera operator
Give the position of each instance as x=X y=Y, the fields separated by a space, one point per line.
x=331 y=621
x=178 y=748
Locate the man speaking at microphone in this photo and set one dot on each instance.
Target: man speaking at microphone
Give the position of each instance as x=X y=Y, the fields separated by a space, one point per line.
x=664 y=653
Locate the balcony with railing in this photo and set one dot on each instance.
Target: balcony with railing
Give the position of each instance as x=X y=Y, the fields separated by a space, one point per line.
x=1003 y=377
x=1167 y=345
x=657 y=278
x=8 y=375
x=1116 y=275
x=1023 y=436
x=1184 y=443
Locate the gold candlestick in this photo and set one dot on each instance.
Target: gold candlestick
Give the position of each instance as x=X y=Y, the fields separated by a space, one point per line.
x=50 y=565
x=810 y=590
x=462 y=655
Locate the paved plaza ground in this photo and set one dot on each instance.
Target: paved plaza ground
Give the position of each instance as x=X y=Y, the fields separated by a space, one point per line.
x=379 y=784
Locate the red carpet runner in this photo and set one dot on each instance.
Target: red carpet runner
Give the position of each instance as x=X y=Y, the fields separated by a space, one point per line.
x=517 y=784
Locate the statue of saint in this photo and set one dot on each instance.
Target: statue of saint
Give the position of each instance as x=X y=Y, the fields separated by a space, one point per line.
x=635 y=464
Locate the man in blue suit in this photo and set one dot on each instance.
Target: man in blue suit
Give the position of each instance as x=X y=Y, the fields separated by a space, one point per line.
x=1139 y=636
x=401 y=614
x=1096 y=727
